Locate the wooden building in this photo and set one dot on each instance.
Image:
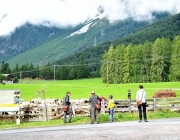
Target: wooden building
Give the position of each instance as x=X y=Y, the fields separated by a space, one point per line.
x=9 y=78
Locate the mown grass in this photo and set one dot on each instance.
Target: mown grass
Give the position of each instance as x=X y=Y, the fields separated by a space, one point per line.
x=82 y=88
x=104 y=118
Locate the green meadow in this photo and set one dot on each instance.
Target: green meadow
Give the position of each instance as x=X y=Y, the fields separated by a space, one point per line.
x=82 y=88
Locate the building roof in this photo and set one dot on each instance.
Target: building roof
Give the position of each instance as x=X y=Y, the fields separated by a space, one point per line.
x=8 y=75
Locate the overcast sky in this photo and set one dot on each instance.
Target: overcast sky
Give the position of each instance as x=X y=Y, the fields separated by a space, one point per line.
x=63 y=13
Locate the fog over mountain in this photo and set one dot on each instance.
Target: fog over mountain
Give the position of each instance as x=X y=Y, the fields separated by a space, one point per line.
x=65 y=13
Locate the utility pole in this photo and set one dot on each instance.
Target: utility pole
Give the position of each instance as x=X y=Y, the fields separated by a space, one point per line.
x=107 y=74
x=54 y=74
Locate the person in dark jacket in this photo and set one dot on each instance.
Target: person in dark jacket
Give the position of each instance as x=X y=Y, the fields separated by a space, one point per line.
x=93 y=100
x=69 y=110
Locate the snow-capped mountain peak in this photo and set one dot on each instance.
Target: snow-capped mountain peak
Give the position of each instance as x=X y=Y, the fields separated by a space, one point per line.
x=85 y=28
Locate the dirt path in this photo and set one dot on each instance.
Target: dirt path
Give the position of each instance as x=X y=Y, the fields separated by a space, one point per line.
x=163 y=129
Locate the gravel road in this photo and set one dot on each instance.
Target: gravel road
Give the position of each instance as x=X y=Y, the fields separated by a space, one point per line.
x=163 y=129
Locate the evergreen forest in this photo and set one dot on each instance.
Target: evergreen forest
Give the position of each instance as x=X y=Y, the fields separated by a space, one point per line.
x=157 y=61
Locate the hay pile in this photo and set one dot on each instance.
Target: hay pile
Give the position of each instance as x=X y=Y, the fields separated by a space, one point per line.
x=164 y=93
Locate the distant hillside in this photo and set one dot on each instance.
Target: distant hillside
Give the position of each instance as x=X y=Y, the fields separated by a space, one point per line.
x=168 y=28
x=40 y=45
x=25 y=38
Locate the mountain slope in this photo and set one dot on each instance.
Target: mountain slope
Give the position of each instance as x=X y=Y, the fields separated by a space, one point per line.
x=65 y=42
x=25 y=38
x=168 y=28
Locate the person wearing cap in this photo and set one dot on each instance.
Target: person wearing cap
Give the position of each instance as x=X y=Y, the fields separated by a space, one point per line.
x=110 y=108
x=93 y=100
x=69 y=110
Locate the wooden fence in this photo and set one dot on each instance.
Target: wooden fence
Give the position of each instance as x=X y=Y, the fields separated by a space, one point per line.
x=45 y=112
x=152 y=105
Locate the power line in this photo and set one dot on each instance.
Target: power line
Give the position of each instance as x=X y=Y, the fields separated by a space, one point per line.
x=45 y=67
x=98 y=63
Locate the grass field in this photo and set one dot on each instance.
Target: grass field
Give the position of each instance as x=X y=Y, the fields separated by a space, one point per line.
x=82 y=88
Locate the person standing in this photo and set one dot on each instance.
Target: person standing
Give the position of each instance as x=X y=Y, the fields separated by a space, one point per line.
x=69 y=110
x=129 y=94
x=93 y=100
x=110 y=107
x=141 y=95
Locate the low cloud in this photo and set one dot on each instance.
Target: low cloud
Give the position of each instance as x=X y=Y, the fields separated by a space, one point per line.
x=63 y=13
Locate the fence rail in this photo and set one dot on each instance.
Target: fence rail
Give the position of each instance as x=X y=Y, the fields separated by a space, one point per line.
x=152 y=104
x=55 y=112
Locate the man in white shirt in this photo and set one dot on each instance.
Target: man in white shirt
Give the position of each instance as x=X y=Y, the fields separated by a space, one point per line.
x=141 y=95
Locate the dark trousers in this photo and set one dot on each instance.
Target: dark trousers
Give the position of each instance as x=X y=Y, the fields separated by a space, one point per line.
x=69 y=111
x=142 y=108
x=94 y=113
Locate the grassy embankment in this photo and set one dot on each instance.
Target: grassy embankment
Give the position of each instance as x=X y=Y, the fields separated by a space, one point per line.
x=82 y=89
x=119 y=117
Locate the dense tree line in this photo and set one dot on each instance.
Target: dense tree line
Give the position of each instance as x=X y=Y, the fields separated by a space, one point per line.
x=48 y=71
x=149 y=62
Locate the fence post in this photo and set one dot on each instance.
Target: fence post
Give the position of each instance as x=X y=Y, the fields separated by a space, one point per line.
x=73 y=110
x=103 y=106
x=45 y=111
x=129 y=103
x=154 y=101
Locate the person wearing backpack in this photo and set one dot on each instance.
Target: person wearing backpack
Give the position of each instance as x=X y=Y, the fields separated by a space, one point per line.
x=95 y=107
x=110 y=108
x=67 y=103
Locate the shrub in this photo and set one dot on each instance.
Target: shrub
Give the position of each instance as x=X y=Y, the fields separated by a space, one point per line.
x=16 y=80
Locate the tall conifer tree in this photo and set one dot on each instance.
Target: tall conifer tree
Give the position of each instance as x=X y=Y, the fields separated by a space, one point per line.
x=126 y=65
x=175 y=60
